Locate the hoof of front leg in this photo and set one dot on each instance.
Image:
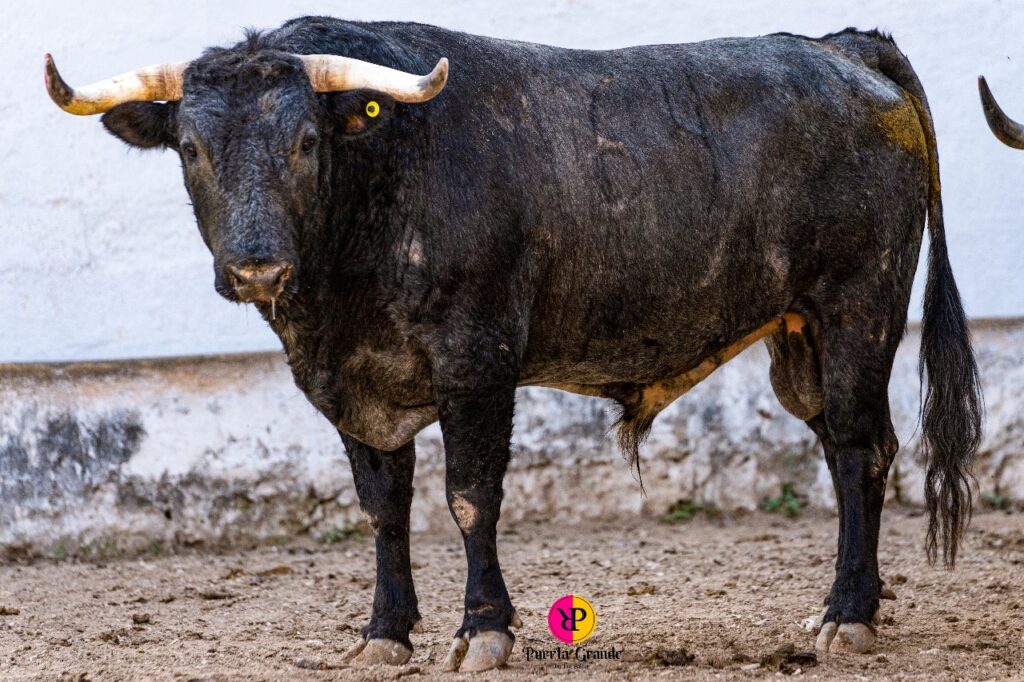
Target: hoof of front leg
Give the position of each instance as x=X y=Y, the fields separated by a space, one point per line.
x=847 y=638
x=486 y=650
x=367 y=652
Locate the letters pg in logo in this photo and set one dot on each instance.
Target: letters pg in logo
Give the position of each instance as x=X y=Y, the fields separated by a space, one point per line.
x=572 y=619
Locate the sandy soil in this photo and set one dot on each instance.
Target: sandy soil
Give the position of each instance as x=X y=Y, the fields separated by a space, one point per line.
x=705 y=599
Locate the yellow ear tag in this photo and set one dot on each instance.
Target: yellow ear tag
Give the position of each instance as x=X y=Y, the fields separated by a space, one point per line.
x=372 y=109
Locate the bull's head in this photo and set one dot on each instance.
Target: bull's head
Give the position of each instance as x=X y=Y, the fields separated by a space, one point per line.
x=253 y=137
x=1004 y=127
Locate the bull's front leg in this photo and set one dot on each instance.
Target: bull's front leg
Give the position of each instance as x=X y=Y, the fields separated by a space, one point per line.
x=475 y=410
x=384 y=485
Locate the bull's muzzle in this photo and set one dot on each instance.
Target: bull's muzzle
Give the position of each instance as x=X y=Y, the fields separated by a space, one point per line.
x=255 y=282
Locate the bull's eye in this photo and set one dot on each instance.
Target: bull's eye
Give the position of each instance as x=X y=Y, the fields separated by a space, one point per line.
x=308 y=143
x=189 y=150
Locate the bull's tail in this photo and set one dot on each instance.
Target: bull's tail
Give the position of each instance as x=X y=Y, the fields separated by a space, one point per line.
x=952 y=406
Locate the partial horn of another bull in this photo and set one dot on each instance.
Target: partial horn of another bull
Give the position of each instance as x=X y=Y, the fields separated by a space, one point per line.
x=1005 y=128
x=159 y=82
x=332 y=73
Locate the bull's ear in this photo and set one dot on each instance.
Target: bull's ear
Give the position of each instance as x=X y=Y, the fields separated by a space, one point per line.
x=361 y=111
x=142 y=124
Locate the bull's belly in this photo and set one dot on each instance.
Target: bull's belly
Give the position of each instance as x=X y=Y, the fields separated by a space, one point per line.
x=386 y=424
x=652 y=396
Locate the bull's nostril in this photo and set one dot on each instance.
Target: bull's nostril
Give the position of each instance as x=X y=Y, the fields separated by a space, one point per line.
x=256 y=281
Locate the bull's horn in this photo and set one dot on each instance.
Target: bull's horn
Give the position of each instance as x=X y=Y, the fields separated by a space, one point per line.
x=331 y=73
x=160 y=82
x=1004 y=127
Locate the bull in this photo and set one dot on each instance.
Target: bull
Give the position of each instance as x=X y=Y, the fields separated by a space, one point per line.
x=1008 y=131
x=611 y=223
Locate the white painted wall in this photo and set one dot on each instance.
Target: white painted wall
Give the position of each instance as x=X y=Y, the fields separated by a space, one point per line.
x=99 y=255
x=228 y=450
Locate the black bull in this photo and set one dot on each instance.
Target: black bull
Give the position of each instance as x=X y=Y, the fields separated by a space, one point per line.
x=611 y=223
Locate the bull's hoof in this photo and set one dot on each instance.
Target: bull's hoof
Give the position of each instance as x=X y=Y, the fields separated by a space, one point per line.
x=377 y=652
x=487 y=650
x=848 y=638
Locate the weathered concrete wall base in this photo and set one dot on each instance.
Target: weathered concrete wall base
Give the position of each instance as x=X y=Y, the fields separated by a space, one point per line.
x=113 y=457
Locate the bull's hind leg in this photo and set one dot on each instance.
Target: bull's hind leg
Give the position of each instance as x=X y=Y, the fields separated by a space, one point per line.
x=384 y=485
x=859 y=442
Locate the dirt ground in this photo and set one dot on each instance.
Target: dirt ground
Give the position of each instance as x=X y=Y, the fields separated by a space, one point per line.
x=704 y=599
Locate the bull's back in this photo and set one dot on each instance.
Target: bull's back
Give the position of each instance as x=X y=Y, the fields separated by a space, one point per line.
x=685 y=194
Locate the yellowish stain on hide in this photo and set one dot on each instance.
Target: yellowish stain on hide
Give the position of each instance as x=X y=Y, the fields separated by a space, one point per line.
x=661 y=394
x=901 y=125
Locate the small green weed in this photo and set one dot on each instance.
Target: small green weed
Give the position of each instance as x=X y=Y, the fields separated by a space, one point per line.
x=996 y=500
x=684 y=510
x=336 y=535
x=789 y=503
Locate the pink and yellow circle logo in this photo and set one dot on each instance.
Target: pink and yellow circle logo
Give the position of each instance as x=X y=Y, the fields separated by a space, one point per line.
x=572 y=619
